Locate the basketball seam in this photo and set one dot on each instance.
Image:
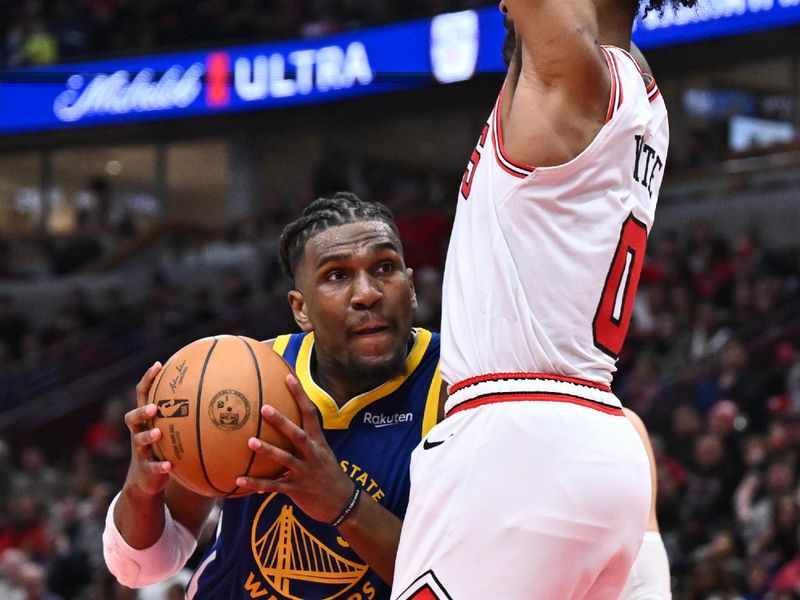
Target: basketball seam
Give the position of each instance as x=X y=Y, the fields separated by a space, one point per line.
x=260 y=404
x=197 y=417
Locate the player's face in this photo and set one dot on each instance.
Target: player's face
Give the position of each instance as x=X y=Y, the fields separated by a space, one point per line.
x=356 y=294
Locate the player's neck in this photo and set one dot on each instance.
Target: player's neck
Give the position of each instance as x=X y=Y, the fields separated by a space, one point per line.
x=342 y=385
x=337 y=382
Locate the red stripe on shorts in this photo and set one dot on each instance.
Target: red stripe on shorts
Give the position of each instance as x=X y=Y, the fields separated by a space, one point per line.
x=534 y=397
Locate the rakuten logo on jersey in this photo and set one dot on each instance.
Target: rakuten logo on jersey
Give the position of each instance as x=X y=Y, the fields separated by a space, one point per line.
x=280 y=75
x=387 y=420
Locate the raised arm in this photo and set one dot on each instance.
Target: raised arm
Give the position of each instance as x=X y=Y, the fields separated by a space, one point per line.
x=556 y=95
x=560 y=41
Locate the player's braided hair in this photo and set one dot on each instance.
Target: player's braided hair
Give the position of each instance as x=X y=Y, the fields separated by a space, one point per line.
x=340 y=209
x=659 y=6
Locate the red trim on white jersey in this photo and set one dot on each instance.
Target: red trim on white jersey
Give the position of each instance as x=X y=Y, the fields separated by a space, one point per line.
x=615 y=101
x=517 y=387
x=509 y=165
x=506 y=376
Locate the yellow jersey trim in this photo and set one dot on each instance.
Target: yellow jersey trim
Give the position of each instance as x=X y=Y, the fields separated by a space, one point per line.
x=431 y=415
x=281 y=343
x=334 y=417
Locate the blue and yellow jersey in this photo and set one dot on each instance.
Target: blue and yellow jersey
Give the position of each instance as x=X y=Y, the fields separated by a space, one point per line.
x=268 y=548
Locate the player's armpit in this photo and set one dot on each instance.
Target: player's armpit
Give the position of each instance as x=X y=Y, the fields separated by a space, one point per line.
x=560 y=40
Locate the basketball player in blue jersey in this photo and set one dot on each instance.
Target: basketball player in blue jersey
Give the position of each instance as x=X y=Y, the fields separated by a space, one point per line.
x=369 y=390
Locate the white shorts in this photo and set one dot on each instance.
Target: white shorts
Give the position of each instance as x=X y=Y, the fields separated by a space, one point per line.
x=537 y=493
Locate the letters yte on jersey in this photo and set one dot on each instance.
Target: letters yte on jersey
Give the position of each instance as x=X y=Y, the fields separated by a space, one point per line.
x=648 y=164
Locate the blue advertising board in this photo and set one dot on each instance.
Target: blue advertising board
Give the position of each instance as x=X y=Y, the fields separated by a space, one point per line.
x=445 y=49
x=714 y=19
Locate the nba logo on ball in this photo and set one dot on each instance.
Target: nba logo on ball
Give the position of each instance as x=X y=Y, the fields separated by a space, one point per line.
x=454 y=46
x=229 y=410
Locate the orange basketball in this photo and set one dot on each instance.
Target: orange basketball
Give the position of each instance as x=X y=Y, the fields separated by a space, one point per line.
x=209 y=396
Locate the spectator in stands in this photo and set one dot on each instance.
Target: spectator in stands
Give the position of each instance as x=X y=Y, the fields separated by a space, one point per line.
x=708 y=334
x=756 y=580
x=107 y=441
x=70 y=569
x=35 y=476
x=709 y=580
x=788 y=577
x=424 y=227
x=33 y=580
x=710 y=480
x=25 y=527
x=40 y=46
x=643 y=385
x=11 y=561
x=756 y=499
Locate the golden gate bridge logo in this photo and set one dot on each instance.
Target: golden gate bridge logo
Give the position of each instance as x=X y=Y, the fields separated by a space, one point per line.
x=288 y=554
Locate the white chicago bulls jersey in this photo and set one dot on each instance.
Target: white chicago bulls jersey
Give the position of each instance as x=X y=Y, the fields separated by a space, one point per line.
x=543 y=263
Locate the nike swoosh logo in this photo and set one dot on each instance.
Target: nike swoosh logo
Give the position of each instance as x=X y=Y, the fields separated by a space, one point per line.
x=426 y=445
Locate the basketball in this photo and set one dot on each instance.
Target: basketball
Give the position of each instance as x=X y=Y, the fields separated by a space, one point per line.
x=209 y=396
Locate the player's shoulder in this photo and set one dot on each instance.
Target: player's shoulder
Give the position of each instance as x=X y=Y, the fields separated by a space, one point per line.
x=430 y=341
x=640 y=60
x=289 y=345
x=283 y=338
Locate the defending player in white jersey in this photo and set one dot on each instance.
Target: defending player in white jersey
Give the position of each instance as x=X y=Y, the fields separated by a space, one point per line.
x=536 y=486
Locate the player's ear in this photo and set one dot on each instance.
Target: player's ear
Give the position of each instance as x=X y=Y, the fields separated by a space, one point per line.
x=410 y=275
x=298 y=304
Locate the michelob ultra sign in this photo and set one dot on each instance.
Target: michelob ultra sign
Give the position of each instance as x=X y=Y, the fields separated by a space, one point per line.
x=253 y=77
x=446 y=49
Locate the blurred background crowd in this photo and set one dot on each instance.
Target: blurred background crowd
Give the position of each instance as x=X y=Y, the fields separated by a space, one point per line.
x=110 y=280
x=39 y=32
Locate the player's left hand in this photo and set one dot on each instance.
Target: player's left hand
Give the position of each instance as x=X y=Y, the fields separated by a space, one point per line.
x=312 y=478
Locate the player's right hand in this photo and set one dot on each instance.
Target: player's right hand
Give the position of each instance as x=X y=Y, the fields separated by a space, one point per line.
x=146 y=475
